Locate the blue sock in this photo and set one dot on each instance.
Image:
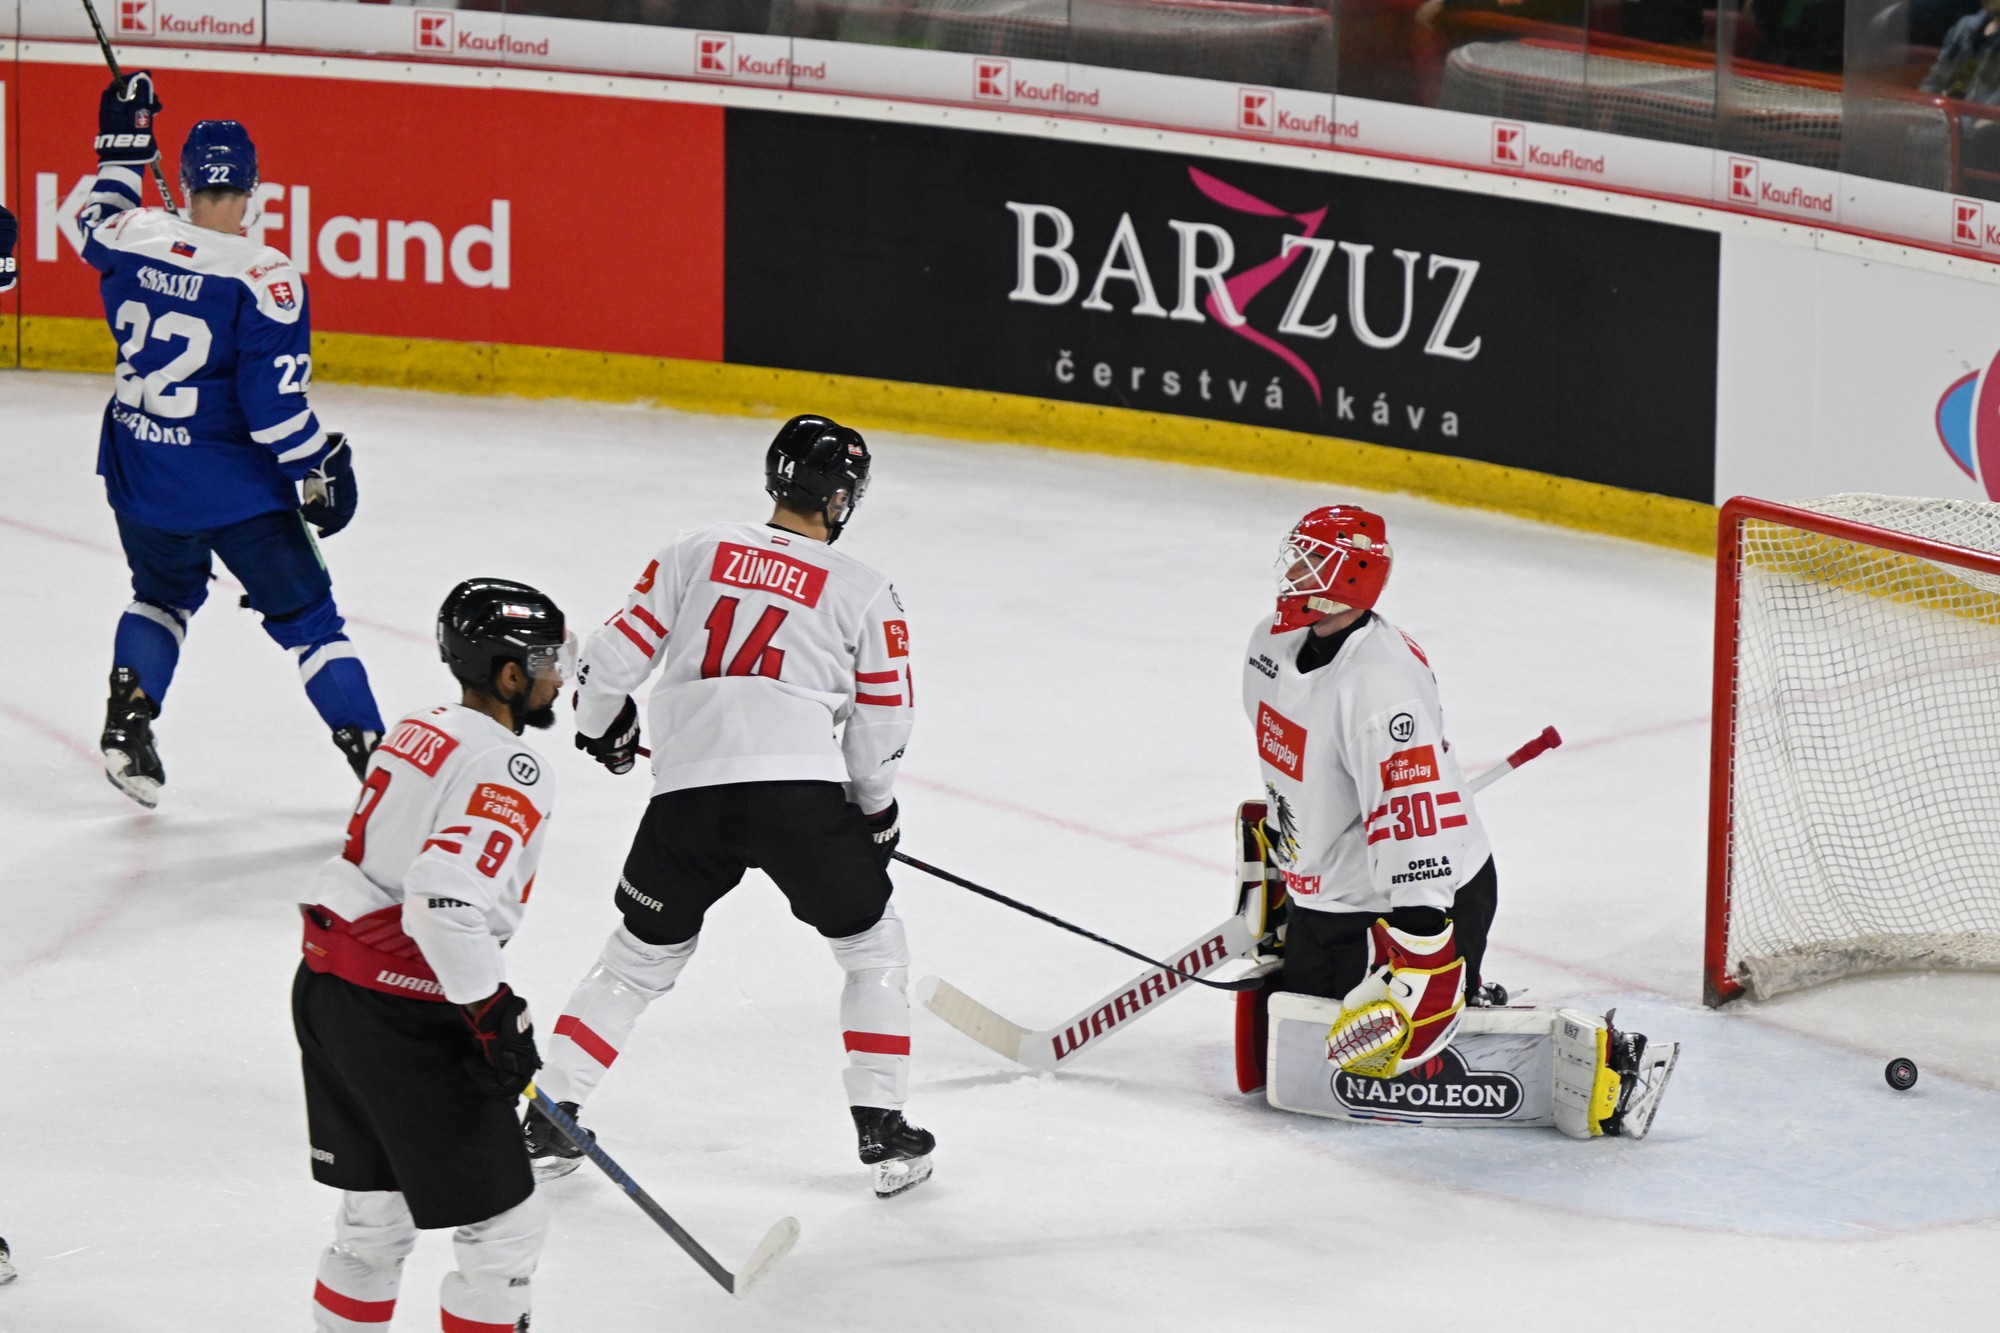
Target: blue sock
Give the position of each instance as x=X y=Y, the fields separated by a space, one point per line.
x=149 y=641
x=337 y=684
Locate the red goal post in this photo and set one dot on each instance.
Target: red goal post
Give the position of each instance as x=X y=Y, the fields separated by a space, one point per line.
x=1854 y=782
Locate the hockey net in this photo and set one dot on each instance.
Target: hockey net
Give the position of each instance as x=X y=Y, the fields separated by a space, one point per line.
x=1855 y=786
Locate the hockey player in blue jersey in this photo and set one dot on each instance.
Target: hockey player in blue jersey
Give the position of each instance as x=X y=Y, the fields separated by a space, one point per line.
x=209 y=447
x=9 y=233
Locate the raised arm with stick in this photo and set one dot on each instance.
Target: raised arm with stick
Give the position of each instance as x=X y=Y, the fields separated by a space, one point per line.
x=104 y=45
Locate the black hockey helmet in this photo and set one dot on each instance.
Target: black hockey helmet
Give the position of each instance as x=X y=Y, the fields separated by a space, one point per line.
x=820 y=466
x=485 y=622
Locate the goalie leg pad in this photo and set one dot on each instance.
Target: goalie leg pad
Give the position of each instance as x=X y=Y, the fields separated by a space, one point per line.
x=1260 y=886
x=1585 y=1088
x=1253 y=1031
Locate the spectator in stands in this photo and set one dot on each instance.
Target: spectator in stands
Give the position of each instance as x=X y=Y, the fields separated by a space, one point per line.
x=1801 y=34
x=1969 y=66
x=1930 y=20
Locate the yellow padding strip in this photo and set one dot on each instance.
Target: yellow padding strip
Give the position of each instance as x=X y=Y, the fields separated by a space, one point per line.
x=49 y=343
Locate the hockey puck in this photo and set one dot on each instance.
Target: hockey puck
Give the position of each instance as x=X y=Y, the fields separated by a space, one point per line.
x=1901 y=1073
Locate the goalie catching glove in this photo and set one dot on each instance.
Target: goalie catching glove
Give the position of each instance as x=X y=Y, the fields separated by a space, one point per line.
x=1406 y=1009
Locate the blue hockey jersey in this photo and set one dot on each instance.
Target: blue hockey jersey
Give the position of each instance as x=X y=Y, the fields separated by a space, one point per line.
x=208 y=423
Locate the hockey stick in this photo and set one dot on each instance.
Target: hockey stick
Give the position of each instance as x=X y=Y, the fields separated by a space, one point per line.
x=1050 y=1048
x=1541 y=745
x=1040 y=915
x=104 y=45
x=777 y=1242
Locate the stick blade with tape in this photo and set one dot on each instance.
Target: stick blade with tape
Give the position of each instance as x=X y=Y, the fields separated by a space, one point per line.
x=777 y=1243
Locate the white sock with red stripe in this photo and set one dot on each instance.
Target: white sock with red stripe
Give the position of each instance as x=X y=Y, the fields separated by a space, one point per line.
x=604 y=1008
x=358 y=1276
x=875 y=1012
x=489 y=1291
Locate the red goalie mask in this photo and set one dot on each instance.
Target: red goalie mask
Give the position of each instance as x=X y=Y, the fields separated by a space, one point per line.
x=1337 y=558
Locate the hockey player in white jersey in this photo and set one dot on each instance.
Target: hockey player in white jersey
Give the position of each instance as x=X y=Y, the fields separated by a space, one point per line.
x=1381 y=851
x=414 y=1048
x=783 y=704
x=1372 y=835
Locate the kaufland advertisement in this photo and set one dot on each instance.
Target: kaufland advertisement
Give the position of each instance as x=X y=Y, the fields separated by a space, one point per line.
x=439 y=238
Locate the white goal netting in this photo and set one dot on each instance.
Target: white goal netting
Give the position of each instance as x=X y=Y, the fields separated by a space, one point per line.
x=1865 y=755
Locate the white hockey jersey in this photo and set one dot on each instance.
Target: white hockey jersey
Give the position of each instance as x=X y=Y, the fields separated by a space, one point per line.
x=448 y=830
x=1368 y=809
x=767 y=643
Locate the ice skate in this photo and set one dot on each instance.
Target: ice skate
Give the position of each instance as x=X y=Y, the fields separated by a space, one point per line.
x=7 y=1270
x=1643 y=1071
x=130 y=762
x=550 y=1153
x=357 y=745
x=896 y=1151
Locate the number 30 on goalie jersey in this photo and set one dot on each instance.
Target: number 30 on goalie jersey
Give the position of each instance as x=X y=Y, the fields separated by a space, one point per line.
x=766 y=642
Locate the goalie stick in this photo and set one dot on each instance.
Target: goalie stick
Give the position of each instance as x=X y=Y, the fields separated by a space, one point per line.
x=1052 y=1048
x=777 y=1242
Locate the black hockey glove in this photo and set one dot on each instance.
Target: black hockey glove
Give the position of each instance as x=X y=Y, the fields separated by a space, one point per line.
x=329 y=489
x=886 y=830
x=616 y=748
x=506 y=1059
x=10 y=232
x=125 y=113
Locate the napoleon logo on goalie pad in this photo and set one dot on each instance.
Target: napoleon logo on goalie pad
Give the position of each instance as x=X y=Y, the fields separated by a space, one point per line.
x=1520 y=1067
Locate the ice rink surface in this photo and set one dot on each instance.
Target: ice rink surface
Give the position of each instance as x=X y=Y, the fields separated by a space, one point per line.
x=1078 y=625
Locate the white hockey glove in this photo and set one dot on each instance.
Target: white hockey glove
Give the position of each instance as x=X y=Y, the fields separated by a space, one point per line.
x=1406 y=1009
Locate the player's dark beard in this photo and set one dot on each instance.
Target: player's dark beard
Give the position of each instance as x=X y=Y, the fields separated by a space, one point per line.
x=541 y=719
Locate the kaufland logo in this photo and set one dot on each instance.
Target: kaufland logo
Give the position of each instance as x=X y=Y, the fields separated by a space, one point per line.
x=1510 y=144
x=715 y=54
x=473 y=251
x=991 y=80
x=136 y=17
x=434 y=30
x=1968 y=223
x=1742 y=180
x=1254 y=110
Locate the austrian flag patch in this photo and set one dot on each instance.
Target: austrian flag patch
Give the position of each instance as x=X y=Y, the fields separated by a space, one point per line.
x=504 y=805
